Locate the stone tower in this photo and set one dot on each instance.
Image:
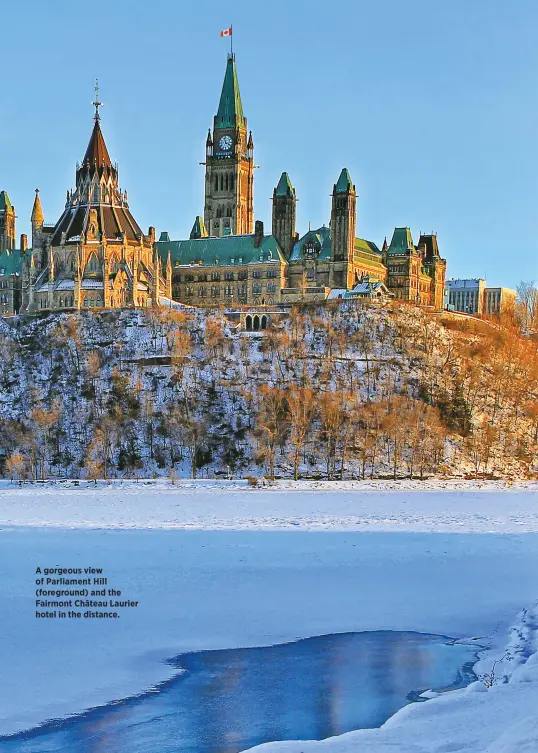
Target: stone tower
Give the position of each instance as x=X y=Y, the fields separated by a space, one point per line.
x=435 y=267
x=229 y=200
x=284 y=202
x=7 y=223
x=343 y=220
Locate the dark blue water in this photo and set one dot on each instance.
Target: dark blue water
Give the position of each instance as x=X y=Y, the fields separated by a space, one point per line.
x=227 y=701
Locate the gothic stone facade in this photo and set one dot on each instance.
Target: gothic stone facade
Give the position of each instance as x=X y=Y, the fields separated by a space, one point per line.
x=96 y=254
x=325 y=259
x=228 y=271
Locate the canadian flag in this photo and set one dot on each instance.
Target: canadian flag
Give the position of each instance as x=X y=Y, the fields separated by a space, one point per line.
x=226 y=32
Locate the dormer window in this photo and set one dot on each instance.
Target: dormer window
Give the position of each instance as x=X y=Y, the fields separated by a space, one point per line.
x=311 y=249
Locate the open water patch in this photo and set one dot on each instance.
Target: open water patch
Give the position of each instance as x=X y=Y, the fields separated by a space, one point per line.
x=228 y=700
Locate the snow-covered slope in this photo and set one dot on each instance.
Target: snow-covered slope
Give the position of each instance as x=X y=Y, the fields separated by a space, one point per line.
x=171 y=392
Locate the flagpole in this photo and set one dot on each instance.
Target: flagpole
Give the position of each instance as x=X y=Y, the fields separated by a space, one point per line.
x=231 y=41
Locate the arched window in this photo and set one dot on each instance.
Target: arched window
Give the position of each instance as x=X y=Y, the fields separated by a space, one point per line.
x=92 y=301
x=216 y=182
x=93 y=264
x=232 y=182
x=61 y=302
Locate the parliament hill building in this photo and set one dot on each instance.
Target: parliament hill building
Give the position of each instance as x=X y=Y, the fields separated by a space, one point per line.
x=96 y=255
x=230 y=260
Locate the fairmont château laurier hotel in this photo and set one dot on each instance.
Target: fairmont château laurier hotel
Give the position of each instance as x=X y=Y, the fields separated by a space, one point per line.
x=96 y=255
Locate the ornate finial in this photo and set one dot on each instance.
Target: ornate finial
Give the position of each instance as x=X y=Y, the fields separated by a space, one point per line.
x=96 y=103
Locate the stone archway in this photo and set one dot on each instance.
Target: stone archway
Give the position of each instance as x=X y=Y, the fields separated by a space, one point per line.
x=256 y=326
x=248 y=323
x=263 y=322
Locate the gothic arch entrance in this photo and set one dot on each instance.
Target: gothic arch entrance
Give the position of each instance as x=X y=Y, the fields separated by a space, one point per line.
x=248 y=323
x=256 y=323
x=264 y=322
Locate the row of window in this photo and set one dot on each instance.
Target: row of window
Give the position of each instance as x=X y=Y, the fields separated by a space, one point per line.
x=224 y=182
x=214 y=291
x=264 y=257
x=257 y=274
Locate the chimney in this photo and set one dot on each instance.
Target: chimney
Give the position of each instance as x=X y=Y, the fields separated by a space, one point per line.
x=258 y=233
x=24 y=243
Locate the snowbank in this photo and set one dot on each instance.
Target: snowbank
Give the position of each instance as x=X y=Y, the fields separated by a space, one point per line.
x=498 y=719
x=442 y=506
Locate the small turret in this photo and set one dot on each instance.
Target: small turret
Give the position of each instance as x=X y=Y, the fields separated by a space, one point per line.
x=198 y=229
x=209 y=144
x=38 y=218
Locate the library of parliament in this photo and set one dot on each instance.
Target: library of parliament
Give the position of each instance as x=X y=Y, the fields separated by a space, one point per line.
x=97 y=256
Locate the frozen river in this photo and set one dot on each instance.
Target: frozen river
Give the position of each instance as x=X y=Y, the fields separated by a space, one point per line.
x=228 y=701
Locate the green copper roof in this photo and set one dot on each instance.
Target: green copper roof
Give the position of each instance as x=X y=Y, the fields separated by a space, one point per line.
x=344 y=182
x=284 y=187
x=230 y=112
x=402 y=241
x=367 y=251
x=5 y=202
x=220 y=251
x=321 y=240
x=10 y=263
x=199 y=229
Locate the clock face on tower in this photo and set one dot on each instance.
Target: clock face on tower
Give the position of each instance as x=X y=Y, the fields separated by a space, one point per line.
x=225 y=143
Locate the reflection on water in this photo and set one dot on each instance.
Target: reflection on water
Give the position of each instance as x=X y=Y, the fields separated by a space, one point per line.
x=230 y=700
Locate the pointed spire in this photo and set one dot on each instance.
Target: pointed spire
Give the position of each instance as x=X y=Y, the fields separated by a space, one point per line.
x=209 y=140
x=230 y=112
x=38 y=218
x=344 y=184
x=250 y=143
x=198 y=229
x=5 y=203
x=385 y=245
x=284 y=187
x=96 y=153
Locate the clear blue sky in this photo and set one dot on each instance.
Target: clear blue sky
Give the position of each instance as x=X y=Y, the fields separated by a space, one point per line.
x=432 y=106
